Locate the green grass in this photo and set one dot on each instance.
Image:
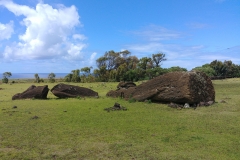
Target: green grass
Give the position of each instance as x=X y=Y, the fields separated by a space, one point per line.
x=79 y=128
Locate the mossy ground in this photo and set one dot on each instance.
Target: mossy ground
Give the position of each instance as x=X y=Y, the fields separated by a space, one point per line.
x=80 y=128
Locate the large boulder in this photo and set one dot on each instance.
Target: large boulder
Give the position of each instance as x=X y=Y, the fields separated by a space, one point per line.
x=126 y=85
x=39 y=92
x=69 y=91
x=176 y=87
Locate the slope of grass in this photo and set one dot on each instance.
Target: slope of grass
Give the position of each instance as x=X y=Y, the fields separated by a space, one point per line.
x=79 y=128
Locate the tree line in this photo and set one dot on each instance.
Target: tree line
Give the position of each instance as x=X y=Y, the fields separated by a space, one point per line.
x=218 y=69
x=122 y=66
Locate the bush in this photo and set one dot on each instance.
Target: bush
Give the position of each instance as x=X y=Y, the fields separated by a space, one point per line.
x=5 y=80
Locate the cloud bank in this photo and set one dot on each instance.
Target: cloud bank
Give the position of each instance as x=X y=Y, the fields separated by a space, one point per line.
x=48 y=33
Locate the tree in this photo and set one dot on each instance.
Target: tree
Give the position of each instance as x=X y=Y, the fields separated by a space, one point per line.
x=131 y=75
x=86 y=72
x=143 y=62
x=51 y=77
x=101 y=62
x=101 y=74
x=6 y=75
x=125 y=53
x=132 y=62
x=176 y=68
x=37 y=78
x=121 y=72
x=111 y=59
x=219 y=67
x=207 y=69
x=76 y=75
x=68 y=77
x=158 y=58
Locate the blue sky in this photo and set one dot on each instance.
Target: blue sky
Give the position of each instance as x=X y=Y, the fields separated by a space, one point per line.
x=43 y=36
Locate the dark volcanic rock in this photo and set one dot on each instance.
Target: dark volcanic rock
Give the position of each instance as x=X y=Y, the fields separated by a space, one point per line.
x=176 y=87
x=39 y=92
x=116 y=107
x=69 y=91
x=126 y=85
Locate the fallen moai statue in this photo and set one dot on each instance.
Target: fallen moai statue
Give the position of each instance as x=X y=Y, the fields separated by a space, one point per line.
x=39 y=92
x=176 y=87
x=69 y=91
x=126 y=85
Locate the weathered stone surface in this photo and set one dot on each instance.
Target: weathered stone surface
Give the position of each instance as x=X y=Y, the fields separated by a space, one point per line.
x=126 y=85
x=176 y=87
x=39 y=92
x=69 y=91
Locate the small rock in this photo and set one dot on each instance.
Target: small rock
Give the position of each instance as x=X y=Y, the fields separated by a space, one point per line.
x=222 y=101
x=210 y=102
x=202 y=104
x=35 y=117
x=173 y=105
x=117 y=105
x=186 y=105
x=14 y=107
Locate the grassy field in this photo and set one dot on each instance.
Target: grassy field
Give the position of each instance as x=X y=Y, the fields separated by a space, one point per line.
x=79 y=128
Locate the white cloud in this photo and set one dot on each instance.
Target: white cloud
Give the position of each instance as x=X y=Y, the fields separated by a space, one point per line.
x=177 y=53
x=48 y=32
x=196 y=25
x=156 y=33
x=79 y=37
x=92 y=58
x=6 y=30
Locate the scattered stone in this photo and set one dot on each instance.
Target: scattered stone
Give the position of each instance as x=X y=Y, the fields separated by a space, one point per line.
x=210 y=102
x=222 y=101
x=177 y=87
x=69 y=91
x=186 y=105
x=35 y=117
x=116 y=107
x=173 y=105
x=39 y=92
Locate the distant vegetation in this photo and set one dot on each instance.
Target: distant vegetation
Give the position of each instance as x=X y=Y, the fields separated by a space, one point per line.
x=6 y=75
x=122 y=66
x=226 y=69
